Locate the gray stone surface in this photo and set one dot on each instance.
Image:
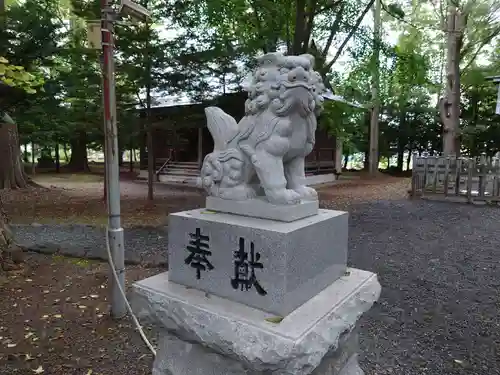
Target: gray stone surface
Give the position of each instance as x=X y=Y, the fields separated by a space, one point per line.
x=339 y=358
x=178 y=357
x=260 y=208
x=239 y=340
x=298 y=259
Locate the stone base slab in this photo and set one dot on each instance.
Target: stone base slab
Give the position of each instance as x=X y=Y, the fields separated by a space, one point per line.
x=270 y=265
x=262 y=209
x=204 y=334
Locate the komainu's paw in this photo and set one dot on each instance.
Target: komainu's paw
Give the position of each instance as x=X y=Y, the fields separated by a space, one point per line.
x=307 y=193
x=283 y=196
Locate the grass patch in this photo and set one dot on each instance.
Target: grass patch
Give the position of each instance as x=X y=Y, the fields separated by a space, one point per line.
x=80 y=262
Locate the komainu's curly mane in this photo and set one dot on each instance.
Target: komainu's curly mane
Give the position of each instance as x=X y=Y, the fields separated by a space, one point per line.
x=268 y=82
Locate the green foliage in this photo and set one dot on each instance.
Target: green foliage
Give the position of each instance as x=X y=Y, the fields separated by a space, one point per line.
x=17 y=76
x=210 y=46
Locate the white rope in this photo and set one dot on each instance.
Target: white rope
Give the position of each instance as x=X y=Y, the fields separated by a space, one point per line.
x=122 y=292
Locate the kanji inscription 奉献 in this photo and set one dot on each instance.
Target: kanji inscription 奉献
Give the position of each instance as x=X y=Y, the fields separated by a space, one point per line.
x=198 y=248
x=244 y=269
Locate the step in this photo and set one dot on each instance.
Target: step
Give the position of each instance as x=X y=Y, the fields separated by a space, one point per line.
x=179 y=173
x=185 y=163
x=180 y=179
x=182 y=163
x=178 y=166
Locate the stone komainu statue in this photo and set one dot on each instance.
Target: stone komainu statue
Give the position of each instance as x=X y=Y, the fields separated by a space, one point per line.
x=263 y=154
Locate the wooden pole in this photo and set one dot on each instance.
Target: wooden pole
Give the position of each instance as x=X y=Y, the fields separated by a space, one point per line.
x=200 y=147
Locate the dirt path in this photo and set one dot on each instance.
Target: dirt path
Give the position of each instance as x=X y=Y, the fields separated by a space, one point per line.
x=346 y=193
x=93 y=186
x=54 y=321
x=79 y=199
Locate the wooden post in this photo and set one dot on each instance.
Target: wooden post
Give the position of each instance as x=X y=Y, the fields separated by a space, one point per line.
x=446 y=175
x=436 y=174
x=482 y=175
x=317 y=162
x=458 y=177
x=495 y=163
x=415 y=175
x=425 y=156
x=200 y=147
x=338 y=154
x=471 y=164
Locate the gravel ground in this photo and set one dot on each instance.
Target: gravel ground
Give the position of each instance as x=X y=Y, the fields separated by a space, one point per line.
x=143 y=245
x=437 y=263
x=438 y=266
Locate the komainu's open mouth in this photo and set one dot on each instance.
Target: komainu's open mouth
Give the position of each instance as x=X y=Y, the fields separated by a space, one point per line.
x=303 y=84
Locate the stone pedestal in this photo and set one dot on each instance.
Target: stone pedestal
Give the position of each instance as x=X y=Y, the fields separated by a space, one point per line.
x=272 y=265
x=255 y=296
x=208 y=335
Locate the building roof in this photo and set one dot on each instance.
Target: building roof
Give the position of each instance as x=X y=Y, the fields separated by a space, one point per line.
x=340 y=99
x=178 y=108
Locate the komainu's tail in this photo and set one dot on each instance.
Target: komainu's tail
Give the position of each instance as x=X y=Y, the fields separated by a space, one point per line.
x=222 y=126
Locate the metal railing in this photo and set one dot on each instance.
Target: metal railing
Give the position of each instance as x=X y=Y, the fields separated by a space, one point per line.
x=164 y=165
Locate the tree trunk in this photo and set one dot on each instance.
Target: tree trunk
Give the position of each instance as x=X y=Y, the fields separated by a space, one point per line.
x=449 y=106
x=346 y=161
x=58 y=159
x=375 y=112
x=120 y=157
x=26 y=159
x=366 y=161
x=65 y=150
x=131 y=160
x=79 y=161
x=12 y=174
x=33 y=162
x=401 y=158
x=11 y=255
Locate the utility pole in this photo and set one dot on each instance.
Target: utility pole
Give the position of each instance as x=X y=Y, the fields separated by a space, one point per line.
x=115 y=231
x=149 y=119
x=374 y=118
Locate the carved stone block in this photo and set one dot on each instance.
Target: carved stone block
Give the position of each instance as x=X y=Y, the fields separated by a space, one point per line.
x=271 y=265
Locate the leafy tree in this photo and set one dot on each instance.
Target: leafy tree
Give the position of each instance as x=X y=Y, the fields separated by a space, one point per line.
x=11 y=174
x=27 y=40
x=244 y=29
